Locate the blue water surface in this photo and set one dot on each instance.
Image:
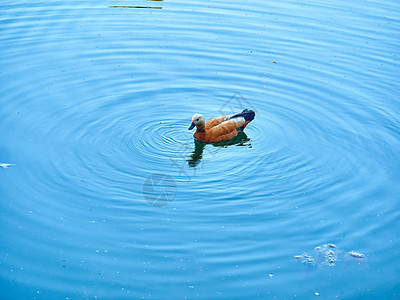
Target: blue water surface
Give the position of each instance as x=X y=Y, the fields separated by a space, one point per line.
x=107 y=195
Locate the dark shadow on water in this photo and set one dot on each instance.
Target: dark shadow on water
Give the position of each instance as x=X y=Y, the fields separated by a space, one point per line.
x=195 y=158
x=138 y=6
x=135 y=6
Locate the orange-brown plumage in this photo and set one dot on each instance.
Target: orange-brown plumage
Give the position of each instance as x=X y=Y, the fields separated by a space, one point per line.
x=221 y=128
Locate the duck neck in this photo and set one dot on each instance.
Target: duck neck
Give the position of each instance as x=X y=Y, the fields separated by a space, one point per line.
x=200 y=128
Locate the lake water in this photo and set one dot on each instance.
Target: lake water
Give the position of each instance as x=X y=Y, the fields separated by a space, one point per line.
x=108 y=196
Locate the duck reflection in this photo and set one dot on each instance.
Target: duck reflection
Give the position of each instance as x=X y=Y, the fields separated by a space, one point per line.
x=195 y=158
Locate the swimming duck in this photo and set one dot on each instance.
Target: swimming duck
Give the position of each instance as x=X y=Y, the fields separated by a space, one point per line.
x=221 y=128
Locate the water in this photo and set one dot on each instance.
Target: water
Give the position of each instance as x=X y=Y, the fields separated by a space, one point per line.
x=109 y=197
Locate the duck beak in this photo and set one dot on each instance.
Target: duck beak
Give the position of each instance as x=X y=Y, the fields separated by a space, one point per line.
x=191 y=126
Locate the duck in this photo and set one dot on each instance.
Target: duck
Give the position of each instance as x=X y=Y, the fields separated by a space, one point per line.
x=221 y=128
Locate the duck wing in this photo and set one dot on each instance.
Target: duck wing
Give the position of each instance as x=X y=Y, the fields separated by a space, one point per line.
x=222 y=132
x=227 y=126
x=215 y=122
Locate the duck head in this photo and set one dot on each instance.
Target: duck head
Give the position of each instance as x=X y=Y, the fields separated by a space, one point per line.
x=198 y=121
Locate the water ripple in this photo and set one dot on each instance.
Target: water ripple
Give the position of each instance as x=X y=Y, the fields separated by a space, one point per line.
x=97 y=98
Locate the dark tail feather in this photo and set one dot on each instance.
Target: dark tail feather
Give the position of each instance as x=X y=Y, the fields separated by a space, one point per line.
x=247 y=114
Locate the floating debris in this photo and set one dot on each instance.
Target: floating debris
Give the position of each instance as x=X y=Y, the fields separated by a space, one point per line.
x=356 y=255
x=330 y=257
x=5 y=166
x=306 y=259
x=273 y=62
x=327 y=255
